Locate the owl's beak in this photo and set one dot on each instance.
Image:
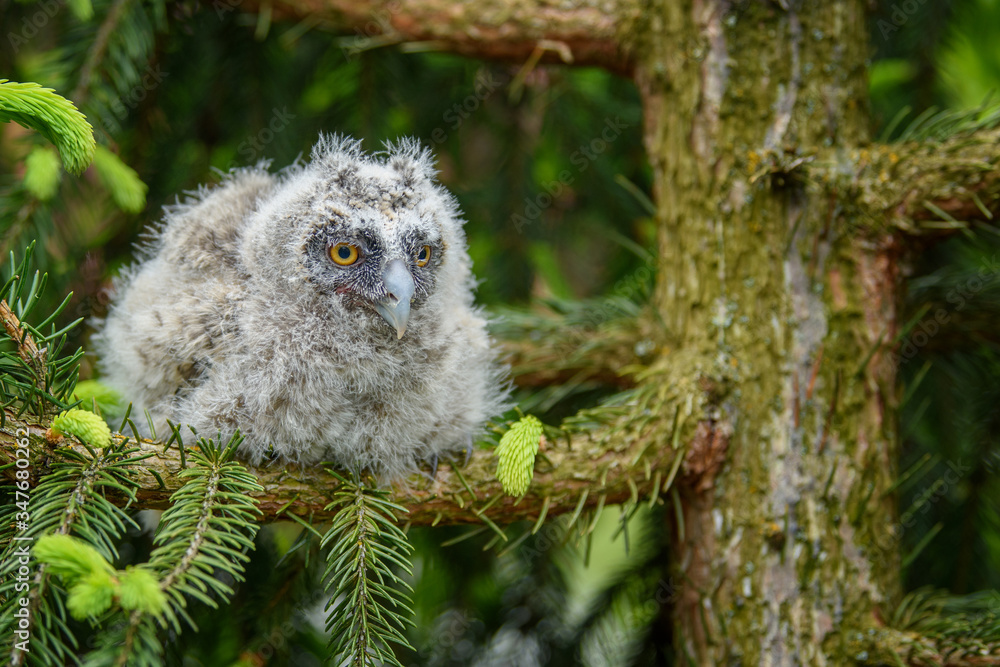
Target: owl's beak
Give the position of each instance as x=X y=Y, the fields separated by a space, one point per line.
x=395 y=307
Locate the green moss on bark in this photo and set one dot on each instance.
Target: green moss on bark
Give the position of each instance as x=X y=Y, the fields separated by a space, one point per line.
x=759 y=281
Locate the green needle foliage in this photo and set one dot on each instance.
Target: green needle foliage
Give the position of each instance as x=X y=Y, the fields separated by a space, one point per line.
x=135 y=644
x=368 y=610
x=211 y=524
x=71 y=499
x=55 y=117
x=207 y=532
x=33 y=373
x=83 y=10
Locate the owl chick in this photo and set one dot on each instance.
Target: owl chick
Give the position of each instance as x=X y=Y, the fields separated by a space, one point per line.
x=325 y=311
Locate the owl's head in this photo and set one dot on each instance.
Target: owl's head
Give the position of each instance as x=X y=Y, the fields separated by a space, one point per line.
x=371 y=233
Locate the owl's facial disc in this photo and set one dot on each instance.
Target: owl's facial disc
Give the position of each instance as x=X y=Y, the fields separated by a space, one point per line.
x=399 y=288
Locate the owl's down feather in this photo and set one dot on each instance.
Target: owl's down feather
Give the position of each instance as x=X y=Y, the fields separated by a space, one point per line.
x=325 y=311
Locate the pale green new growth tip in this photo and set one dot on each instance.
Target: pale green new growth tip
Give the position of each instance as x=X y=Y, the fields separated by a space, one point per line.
x=91 y=596
x=83 y=10
x=42 y=172
x=70 y=558
x=516 y=454
x=89 y=391
x=126 y=188
x=93 y=584
x=88 y=577
x=55 y=117
x=139 y=590
x=85 y=425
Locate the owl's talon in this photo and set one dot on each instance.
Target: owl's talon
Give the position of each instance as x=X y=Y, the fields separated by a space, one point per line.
x=468 y=452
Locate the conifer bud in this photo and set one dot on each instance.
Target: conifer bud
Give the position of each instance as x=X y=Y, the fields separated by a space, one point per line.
x=516 y=453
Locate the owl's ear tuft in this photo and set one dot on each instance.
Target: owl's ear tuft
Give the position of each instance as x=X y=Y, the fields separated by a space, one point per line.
x=411 y=160
x=336 y=150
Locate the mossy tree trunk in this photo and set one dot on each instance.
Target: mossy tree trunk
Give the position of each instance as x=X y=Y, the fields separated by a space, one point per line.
x=776 y=299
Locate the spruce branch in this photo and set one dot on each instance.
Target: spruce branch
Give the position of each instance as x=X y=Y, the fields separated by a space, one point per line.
x=27 y=350
x=928 y=188
x=211 y=524
x=208 y=529
x=617 y=451
x=52 y=115
x=932 y=628
x=117 y=61
x=134 y=642
x=368 y=611
x=71 y=499
x=911 y=649
x=99 y=47
x=584 y=33
x=563 y=345
x=36 y=376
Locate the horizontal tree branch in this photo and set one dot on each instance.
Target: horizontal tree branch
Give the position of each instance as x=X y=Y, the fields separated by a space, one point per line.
x=921 y=188
x=27 y=349
x=569 y=477
x=581 y=33
x=551 y=350
x=886 y=646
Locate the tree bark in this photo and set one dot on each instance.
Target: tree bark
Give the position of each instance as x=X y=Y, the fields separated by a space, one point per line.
x=578 y=33
x=783 y=305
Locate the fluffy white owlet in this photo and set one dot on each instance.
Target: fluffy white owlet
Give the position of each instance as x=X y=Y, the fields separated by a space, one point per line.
x=325 y=311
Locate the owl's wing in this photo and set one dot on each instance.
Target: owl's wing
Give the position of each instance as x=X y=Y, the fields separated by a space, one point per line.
x=202 y=232
x=173 y=313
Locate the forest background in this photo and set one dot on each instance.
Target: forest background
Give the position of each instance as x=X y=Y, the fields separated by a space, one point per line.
x=182 y=90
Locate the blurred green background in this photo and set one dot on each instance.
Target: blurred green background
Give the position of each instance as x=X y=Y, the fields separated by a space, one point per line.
x=182 y=90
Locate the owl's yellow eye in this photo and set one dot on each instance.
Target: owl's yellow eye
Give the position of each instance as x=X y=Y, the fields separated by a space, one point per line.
x=344 y=254
x=424 y=256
